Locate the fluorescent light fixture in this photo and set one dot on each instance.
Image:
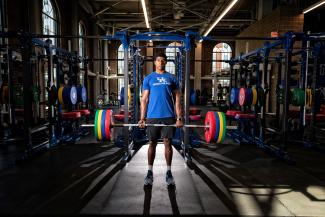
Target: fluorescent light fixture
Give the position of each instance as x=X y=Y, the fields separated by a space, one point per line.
x=145 y=13
x=312 y=7
x=221 y=16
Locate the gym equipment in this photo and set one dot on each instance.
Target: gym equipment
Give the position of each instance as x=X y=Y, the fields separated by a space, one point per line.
x=81 y=94
x=122 y=96
x=67 y=95
x=234 y=93
x=309 y=97
x=245 y=96
x=215 y=125
x=36 y=92
x=53 y=95
x=254 y=92
x=297 y=97
x=192 y=97
x=60 y=95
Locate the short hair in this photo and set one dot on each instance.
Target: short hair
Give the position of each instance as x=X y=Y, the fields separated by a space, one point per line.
x=160 y=55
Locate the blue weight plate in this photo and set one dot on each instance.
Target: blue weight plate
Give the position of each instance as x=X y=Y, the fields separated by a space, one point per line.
x=234 y=95
x=73 y=95
x=250 y=96
x=193 y=98
x=122 y=96
x=84 y=94
x=102 y=125
x=216 y=136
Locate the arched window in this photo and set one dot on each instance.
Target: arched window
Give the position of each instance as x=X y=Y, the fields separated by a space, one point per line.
x=221 y=51
x=50 y=20
x=50 y=27
x=171 y=56
x=82 y=32
x=120 y=67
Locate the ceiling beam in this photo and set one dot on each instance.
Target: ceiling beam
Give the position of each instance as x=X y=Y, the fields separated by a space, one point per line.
x=213 y=14
x=186 y=9
x=163 y=15
x=105 y=9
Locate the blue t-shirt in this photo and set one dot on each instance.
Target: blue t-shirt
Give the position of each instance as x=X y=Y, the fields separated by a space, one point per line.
x=161 y=101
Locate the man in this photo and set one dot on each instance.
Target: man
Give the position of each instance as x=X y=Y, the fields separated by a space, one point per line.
x=157 y=107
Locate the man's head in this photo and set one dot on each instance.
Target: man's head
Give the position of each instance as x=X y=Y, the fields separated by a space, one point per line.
x=160 y=62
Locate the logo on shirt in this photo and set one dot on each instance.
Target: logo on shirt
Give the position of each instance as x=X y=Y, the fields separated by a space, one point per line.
x=161 y=81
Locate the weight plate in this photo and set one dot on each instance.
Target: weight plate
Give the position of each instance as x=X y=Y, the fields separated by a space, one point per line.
x=216 y=135
x=221 y=124
x=242 y=96
x=254 y=92
x=108 y=125
x=209 y=132
x=224 y=120
x=103 y=125
x=95 y=125
x=99 y=125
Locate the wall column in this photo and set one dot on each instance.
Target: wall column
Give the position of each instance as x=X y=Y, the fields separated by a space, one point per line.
x=198 y=67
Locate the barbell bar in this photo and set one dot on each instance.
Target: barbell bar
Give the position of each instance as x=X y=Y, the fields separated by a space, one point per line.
x=159 y=125
x=214 y=125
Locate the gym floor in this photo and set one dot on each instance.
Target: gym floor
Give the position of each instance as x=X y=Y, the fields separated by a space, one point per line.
x=225 y=179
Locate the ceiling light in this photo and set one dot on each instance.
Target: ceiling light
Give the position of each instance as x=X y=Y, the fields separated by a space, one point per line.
x=145 y=13
x=221 y=16
x=312 y=7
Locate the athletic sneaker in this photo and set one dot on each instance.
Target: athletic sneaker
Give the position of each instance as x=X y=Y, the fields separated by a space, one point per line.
x=149 y=178
x=169 y=178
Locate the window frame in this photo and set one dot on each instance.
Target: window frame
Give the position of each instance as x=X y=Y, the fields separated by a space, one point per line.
x=226 y=54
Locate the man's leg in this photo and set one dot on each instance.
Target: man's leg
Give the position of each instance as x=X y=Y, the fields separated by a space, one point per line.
x=153 y=134
x=151 y=157
x=152 y=152
x=168 y=151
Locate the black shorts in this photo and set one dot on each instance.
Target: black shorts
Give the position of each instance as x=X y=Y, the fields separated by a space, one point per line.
x=155 y=133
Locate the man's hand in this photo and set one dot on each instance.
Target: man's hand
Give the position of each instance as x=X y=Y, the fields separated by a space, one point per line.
x=142 y=123
x=179 y=124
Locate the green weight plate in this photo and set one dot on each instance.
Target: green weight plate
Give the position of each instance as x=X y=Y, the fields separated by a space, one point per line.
x=297 y=97
x=95 y=125
x=301 y=97
x=224 y=121
x=293 y=97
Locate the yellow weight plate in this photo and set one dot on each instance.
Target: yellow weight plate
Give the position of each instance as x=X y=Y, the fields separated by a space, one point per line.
x=99 y=124
x=60 y=95
x=221 y=127
x=309 y=97
x=254 y=91
x=129 y=95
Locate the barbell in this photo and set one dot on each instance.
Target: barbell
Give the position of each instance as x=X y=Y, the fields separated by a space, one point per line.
x=214 y=126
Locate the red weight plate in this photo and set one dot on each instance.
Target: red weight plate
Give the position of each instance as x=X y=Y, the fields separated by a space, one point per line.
x=209 y=132
x=242 y=96
x=108 y=125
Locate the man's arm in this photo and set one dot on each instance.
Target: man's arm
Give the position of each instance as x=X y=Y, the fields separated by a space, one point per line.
x=179 y=121
x=143 y=108
x=178 y=103
x=144 y=104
